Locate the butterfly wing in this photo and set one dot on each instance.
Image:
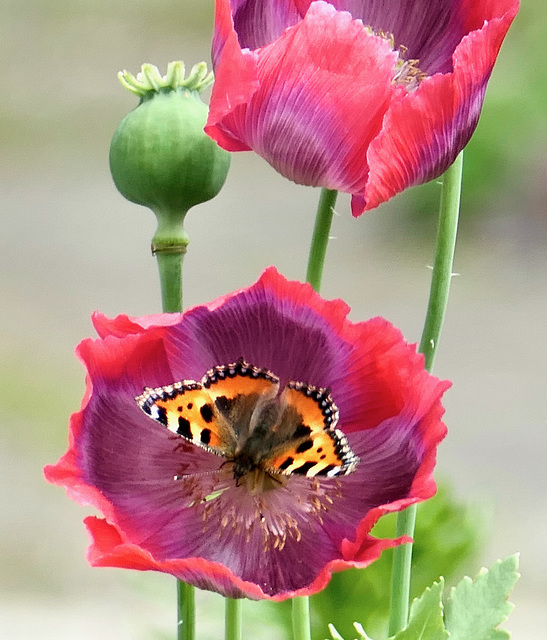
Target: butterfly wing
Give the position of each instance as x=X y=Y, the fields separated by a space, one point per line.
x=187 y=409
x=236 y=389
x=234 y=412
x=309 y=443
x=214 y=413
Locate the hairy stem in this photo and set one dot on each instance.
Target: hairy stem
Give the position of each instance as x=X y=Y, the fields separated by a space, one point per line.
x=438 y=299
x=320 y=238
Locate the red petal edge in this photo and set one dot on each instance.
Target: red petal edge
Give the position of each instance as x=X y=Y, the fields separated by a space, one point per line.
x=237 y=77
x=108 y=549
x=424 y=131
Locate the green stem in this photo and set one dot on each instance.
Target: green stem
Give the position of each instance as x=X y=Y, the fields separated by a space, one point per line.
x=320 y=238
x=186 y=615
x=169 y=246
x=438 y=299
x=444 y=259
x=170 y=268
x=400 y=576
x=233 y=619
x=301 y=618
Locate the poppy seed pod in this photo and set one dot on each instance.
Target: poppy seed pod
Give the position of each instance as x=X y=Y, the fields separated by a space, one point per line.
x=160 y=156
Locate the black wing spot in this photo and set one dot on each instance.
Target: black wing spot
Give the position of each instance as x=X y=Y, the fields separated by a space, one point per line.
x=207 y=412
x=162 y=415
x=286 y=463
x=184 y=428
x=205 y=436
x=190 y=405
x=325 y=471
x=319 y=449
x=223 y=404
x=179 y=409
x=323 y=456
x=304 y=446
x=301 y=431
x=303 y=469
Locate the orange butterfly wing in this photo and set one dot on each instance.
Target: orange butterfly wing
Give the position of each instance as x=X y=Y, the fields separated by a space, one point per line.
x=218 y=414
x=316 y=447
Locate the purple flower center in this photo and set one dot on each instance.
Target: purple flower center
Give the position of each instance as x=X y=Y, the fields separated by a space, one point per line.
x=276 y=444
x=284 y=510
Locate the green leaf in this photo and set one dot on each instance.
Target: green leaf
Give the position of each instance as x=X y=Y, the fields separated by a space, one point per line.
x=361 y=631
x=334 y=633
x=426 y=617
x=358 y=627
x=477 y=607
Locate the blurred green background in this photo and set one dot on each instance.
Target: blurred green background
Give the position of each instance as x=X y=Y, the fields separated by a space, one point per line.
x=70 y=244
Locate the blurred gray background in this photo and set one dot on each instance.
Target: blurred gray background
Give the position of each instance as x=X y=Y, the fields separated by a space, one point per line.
x=71 y=244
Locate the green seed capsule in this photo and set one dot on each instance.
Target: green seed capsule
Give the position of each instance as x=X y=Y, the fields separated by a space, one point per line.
x=160 y=156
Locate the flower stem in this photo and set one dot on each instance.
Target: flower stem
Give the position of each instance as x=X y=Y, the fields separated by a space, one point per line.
x=170 y=268
x=320 y=238
x=186 y=623
x=233 y=619
x=444 y=259
x=400 y=575
x=438 y=299
x=169 y=246
x=301 y=618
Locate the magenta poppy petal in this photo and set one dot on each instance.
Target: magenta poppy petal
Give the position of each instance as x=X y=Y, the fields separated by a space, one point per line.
x=108 y=549
x=328 y=104
x=250 y=324
x=123 y=325
x=173 y=506
x=424 y=131
x=428 y=29
x=237 y=83
x=317 y=106
x=259 y=23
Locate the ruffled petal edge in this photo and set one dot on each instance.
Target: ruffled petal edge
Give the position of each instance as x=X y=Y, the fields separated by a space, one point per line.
x=237 y=77
x=109 y=549
x=335 y=310
x=424 y=131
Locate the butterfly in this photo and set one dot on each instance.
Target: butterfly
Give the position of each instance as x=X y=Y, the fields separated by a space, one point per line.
x=237 y=411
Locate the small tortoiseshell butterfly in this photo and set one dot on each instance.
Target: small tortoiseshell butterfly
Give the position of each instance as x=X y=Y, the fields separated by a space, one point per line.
x=237 y=412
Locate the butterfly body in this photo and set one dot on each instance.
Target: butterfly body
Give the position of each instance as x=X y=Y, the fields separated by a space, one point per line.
x=238 y=412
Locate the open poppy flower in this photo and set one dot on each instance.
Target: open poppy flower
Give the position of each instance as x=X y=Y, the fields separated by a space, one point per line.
x=248 y=446
x=364 y=96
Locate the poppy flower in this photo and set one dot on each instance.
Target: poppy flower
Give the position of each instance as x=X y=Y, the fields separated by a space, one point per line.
x=248 y=446
x=364 y=96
